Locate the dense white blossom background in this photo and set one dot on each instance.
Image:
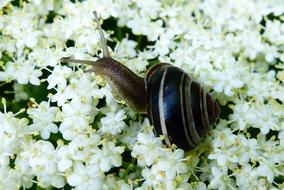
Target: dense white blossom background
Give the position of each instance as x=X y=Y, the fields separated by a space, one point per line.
x=63 y=127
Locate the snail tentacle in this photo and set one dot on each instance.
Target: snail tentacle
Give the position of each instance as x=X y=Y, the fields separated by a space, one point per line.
x=102 y=37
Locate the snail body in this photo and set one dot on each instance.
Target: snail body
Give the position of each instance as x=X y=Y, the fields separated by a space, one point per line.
x=178 y=108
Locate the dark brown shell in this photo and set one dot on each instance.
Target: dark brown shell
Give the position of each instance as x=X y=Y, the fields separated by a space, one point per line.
x=178 y=107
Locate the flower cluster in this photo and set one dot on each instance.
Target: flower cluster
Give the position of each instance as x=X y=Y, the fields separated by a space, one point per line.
x=61 y=127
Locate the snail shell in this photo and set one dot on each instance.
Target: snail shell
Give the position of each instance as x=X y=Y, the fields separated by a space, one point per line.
x=178 y=107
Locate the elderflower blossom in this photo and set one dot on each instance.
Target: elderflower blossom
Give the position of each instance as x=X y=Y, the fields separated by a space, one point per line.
x=12 y=133
x=41 y=158
x=23 y=73
x=234 y=49
x=85 y=177
x=146 y=149
x=107 y=156
x=167 y=172
x=76 y=118
x=43 y=119
x=8 y=178
x=58 y=77
x=113 y=123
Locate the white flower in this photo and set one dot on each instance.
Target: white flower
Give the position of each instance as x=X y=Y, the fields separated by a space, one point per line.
x=248 y=151
x=267 y=119
x=149 y=8
x=41 y=158
x=163 y=44
x=37 y=158
x=43 y=6
x=75 y=118
x=160 y=176
x=142 y=60
x=112 y=182
x=27 y=73
x=58 y=77
x=108 y=156
x=23 y=72
x=43 y=117
x=12 y=133
x=274 y=31
x=242 y=114
x=152 y=177
x=181 y=56
x=268 y=170
x=129 y=135
x=223 y=137
x=30 y=40
x=172 y=164
x=88 y=39
x=62 y=95
x=126 y=48
x=247 y=177
x=64 y=154
x=85 y=177
x=82 y=88
x=44 y=57
x=259 y=87
x=147 y=149
x=85 y=87
x=10 y=70
x=24 y=170
x=79 y=149
x=220 y=178
x=4 y=159
x=140 y=25
x=113 y=122
x=227 y=81
x=230 y=148
x=8 y=178
x=257 y=115
x=25 y=33
x=167 y=172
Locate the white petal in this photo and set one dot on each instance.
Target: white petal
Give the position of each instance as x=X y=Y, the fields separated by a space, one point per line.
x=74 y=180
x=105 y=165
x=64 y=164
x=45 y=134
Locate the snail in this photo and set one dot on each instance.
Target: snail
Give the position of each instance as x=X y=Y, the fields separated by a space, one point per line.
x=178 y=107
